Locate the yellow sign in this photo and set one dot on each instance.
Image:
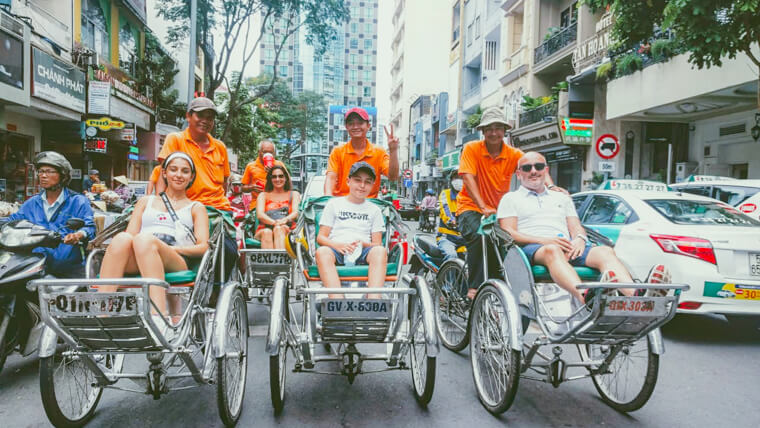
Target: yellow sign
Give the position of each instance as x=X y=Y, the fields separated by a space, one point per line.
x=105 y=123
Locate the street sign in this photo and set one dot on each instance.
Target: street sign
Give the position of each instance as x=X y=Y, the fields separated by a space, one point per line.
x=606 y=166
x=408 y=174
x=607 y=146
x=408 y=183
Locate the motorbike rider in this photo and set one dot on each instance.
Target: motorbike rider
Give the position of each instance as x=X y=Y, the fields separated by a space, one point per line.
x=449 y=238
x=427 y=204
x=55 y=204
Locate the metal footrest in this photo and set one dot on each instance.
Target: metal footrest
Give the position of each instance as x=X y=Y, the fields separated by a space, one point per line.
x=263 y=266
x=353 y=330
x=123 y=333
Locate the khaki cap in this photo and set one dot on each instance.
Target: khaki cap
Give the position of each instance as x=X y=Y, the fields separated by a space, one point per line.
x=493 y=115
x=200 y=104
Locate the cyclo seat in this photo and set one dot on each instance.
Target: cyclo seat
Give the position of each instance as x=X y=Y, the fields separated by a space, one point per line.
x=312 y=211
x=541 y=273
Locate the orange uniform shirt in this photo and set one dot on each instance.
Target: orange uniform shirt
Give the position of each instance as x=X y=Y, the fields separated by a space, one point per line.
x=255 y=172
x=343 y=156
x=211 y=166
x=156 y=174
x=492 y=174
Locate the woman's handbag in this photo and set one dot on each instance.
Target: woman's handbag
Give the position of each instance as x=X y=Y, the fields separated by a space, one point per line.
x=282 y=212
x=183 y=234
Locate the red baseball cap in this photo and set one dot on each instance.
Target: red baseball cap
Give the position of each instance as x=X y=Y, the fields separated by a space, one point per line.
x=357 y=110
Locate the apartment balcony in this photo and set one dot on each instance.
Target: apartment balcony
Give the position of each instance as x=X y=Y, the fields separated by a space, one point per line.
x=431 y=157
x=471 y=98
x=514 y=66
x=538 y=114
x=559 y=42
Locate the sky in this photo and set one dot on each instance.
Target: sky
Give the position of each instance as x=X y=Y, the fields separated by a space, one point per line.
x=384 y=53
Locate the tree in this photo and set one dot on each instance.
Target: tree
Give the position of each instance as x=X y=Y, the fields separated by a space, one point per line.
x=710 y=30
x=155 y=76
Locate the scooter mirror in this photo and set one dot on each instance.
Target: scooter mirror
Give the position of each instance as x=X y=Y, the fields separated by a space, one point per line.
x=75 y=223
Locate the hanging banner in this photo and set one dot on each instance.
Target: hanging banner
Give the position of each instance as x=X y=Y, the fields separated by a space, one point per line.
x=98 y=97
x=57 y=81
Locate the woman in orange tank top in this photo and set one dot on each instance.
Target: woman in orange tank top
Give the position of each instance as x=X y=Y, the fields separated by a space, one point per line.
x=276 y=209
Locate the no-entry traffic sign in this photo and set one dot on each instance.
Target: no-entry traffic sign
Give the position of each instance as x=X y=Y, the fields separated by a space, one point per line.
x=607 y=146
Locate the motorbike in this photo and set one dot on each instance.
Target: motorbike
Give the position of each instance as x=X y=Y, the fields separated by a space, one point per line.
x=427 y=220
x=20 y=320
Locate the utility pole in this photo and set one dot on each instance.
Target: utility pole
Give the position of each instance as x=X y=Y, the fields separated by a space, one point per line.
x=191 y=70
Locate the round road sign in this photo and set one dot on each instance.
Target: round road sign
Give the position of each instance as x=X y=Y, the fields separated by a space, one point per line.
x=607 y=146
x=407 y=173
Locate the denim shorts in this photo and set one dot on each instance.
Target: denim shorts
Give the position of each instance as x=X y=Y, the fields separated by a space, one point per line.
x=580 y=261
x=362 y=260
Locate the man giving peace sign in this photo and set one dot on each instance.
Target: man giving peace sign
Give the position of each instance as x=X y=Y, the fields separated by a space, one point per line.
x=360 y=149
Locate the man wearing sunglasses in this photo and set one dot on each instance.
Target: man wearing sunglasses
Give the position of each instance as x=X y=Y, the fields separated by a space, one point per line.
x=547 y=227
x=486 y=167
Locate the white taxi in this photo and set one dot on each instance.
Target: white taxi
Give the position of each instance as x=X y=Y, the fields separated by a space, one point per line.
x=743 y=194
x=706 y=243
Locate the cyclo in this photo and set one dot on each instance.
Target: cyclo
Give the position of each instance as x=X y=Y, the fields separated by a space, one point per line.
x=617 y=337
x=208 y=345
x=303 y=317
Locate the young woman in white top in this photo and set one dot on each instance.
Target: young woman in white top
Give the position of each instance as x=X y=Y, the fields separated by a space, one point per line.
x=143 y=247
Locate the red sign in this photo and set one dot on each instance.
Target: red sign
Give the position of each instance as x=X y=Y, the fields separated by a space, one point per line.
x=748 y=208
x=607 y=146
x=96 y=145
x=407 y=173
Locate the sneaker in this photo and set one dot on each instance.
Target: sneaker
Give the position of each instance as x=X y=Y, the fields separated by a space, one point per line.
x=607 y=277
x=659 y=274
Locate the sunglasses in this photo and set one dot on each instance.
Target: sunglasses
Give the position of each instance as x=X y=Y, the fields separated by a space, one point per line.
x=539 y=166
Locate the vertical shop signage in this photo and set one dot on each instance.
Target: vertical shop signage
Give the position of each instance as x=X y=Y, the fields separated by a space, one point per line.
x=57 y=81
x=98 y=97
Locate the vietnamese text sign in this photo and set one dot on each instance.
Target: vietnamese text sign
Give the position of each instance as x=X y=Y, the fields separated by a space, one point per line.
x=57 y=81
x=98 y=97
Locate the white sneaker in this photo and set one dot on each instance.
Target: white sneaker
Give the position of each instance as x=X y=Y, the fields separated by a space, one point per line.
x=659 y=274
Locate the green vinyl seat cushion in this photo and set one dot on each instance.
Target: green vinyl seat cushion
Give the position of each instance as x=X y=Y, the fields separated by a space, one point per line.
x=354 y=271
x=541 y=273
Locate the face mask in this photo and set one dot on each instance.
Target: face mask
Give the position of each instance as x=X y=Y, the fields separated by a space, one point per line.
x=457 y=184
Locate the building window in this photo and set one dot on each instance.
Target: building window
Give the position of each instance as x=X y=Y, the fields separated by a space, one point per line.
x=491 y=55
x=352 y=91
x=368 y=44
x=283 y=55
x=352 y=59
x=469 y=35
x=367 y=76
x=283 y=70
x=368 y=60
x=569 y=15
x=354 y=28
x=455 y=24
x=367 y=91
x=352 y=75
x=354 y=44
x=269 y=69
x=477 y=27
x=127 y=48
x=94 y=29
x=314 y=147
x=368 y=30
x=368 y=12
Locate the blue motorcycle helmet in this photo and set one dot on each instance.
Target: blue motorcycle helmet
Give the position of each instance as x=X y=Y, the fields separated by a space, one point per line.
x=430 y=191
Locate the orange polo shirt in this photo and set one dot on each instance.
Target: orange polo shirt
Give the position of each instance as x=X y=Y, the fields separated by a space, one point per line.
x=492 y=174
x=256 y=172
x=211 y=167
x=156 y=174
x=343 y=156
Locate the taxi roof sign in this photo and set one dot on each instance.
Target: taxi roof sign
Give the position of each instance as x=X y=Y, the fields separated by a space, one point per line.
x=642 y=185
x=697 y=178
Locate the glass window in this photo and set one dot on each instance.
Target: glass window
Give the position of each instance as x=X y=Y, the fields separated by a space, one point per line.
x=367 y=76
x=368 y=44
x=354 y=44
x=578 y=201
x=352 y=59
x=607 y=210
x=569 y=15
x=95 y=28
x=269 y=69
x=733 y=195
x=127 y=48
x=283 y=70
x=315 y=147
x=368 y=60
x=681 y=211
x=354 y=28
x=352 y=74
x=367 y=91
x=269 y=54
x=368 y=30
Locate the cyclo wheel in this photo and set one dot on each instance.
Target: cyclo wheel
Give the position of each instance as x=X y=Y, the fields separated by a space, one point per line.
x=495 y=365
x=451 y=312
x=422 y=365
x=68 y=390
x=631 y=376
x=232 y=370
x=278 y=366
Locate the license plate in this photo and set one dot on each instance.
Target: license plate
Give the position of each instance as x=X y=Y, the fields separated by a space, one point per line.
x=356 y=308
x=754 y=264
x=634 y=306
x=279 y=258
x=88 y=303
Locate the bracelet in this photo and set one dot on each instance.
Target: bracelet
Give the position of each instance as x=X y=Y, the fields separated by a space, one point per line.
x=551 y=186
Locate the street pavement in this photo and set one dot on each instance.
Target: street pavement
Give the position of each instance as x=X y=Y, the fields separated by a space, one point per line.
x=708 y=377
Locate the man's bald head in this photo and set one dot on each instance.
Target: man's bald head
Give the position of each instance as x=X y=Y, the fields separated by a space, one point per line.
x=266 y=146
x=531 y=157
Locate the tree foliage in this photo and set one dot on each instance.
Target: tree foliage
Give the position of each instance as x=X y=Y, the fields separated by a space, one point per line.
x=155 y=72
x=709 y=30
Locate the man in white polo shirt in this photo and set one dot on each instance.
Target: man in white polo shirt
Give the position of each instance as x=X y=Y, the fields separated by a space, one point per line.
x=547 y=228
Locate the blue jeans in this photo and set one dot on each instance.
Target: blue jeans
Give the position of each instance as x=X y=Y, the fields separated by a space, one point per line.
x=448 y=248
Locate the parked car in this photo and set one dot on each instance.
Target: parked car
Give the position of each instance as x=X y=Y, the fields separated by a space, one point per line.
x=706 y=243
x=409 y=209
x=743 y=194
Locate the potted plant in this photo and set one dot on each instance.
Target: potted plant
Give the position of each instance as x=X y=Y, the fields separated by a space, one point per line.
x=628 y=64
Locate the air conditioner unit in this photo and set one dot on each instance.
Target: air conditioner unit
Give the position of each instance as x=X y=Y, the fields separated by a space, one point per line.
x=685 y=169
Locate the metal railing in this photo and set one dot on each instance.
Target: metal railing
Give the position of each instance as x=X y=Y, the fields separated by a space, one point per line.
x=565 y=37
x=538 y=114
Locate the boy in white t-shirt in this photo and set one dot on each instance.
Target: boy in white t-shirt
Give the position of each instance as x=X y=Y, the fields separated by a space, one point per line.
x=351 y=230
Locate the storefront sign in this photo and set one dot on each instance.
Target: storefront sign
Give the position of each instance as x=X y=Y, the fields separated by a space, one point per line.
x=576 y=131
x=606 y=166
x=132 y=156
x=564 y=155
x=127 y=134
x=607 y=146
x=134 y=149
x=124 y=89
x=76 y=174
x=544 y=136
x=95 y=145
x=11 y=60
x=129 y=113
x=105 y=123
x=57 y=81
x=98 y=97
x=594 y=49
